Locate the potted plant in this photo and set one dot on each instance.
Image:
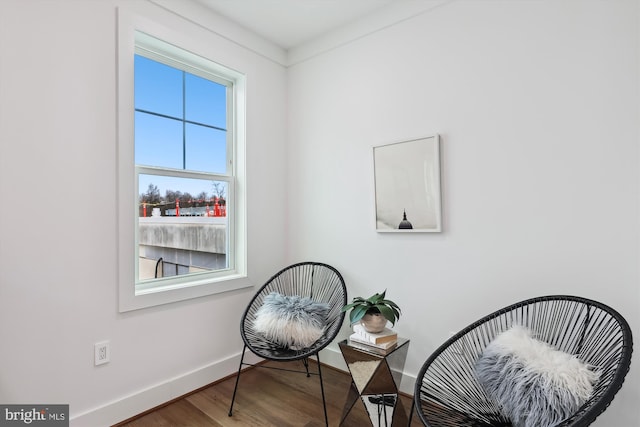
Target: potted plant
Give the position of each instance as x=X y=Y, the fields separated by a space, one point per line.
x=373 y=312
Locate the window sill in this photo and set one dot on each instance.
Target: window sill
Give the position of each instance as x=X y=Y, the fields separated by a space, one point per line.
x=168 y=294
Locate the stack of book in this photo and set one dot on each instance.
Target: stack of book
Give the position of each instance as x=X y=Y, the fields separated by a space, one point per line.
x=384 y=340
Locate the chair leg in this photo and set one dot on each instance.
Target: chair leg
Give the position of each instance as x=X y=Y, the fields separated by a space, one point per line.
x=324 y=403
x=305 y=362
x=413 y=406
x=235 y=389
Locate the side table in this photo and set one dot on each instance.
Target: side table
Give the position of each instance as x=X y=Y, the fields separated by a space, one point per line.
x=375 y=377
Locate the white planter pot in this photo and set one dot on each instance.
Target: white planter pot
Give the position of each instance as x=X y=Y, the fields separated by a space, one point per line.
x=374 y=322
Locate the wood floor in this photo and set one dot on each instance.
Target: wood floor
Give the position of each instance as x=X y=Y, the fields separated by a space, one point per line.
x=266 y=397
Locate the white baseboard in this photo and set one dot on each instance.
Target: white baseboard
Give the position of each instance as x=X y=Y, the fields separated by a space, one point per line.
x=158 y=394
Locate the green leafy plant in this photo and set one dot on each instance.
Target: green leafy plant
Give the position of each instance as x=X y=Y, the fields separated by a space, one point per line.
x=374 y=304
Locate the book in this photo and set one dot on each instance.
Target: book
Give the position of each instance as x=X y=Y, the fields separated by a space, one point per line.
x=357 y=338
x=387 y=335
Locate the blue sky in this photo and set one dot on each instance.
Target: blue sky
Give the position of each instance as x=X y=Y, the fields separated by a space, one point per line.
x=199 y=144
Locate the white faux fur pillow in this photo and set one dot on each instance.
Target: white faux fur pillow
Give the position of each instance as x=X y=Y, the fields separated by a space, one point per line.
x=535 y=384
x=291 y=321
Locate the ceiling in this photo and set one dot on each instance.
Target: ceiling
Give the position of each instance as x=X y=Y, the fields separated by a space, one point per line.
x=291 y=23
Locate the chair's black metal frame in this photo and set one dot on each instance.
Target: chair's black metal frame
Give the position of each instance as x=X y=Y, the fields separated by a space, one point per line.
x=315 y=280
x=447 y=393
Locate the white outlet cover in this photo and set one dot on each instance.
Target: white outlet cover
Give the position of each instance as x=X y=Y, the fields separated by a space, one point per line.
x=101 y=353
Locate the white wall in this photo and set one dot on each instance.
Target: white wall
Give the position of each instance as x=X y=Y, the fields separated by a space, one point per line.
x=537 y=106
x=58 y=278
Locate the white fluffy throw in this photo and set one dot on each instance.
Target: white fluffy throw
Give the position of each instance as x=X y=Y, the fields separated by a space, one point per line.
x=291 y=321
x=535 y=384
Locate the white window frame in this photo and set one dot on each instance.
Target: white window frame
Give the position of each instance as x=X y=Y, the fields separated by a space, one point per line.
x=137 y=34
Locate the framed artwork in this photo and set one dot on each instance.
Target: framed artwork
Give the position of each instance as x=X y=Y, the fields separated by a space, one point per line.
x=407 y=186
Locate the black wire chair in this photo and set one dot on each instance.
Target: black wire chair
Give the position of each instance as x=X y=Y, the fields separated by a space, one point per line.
x=447 y=393
x=320 y=282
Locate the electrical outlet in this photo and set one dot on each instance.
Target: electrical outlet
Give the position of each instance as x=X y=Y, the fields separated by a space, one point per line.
x=101 y=353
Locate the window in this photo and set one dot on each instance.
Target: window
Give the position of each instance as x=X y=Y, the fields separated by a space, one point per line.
x=182 y=143
x=181 y=176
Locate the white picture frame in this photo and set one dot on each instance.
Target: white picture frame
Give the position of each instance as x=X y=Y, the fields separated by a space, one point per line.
x=407 y=186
